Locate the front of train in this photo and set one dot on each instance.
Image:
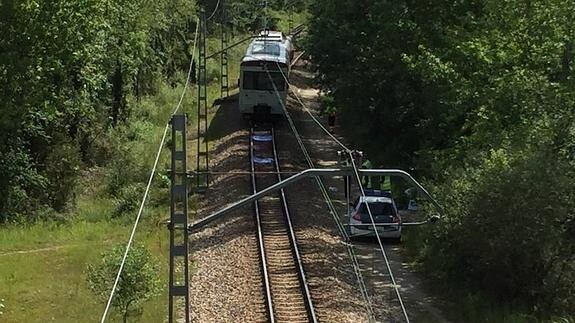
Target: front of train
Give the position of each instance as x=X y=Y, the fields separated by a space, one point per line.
x=264 y=77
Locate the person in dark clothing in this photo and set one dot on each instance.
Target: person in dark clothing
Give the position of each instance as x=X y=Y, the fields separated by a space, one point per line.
x=331 y=113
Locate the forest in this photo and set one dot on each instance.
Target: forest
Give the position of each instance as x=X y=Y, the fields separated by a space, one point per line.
x=86 y=89
x=478 y=98
x=73 y=73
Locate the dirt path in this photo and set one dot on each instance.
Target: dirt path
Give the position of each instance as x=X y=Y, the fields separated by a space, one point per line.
x=47 y=249
x=420 y=306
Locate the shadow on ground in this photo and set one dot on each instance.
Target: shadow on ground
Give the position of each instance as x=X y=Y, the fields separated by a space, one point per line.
x=227 y=119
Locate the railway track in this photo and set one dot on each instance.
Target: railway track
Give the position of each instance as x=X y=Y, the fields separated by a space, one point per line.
x=286 y=292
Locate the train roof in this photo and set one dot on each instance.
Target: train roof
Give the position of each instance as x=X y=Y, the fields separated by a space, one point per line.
x=268 y=48
x=271 y=35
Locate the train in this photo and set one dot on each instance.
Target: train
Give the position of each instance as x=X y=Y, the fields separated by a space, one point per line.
x=264 y=75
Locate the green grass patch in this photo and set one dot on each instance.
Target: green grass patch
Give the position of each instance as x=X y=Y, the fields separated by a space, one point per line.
x=44 y=235
x=44 y=281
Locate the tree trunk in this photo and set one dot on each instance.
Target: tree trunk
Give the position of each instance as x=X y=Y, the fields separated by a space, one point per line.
x=117 y=93
x=566 y=60
x=126 y=308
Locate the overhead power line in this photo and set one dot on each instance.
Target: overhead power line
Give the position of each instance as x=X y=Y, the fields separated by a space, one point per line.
x=215 y=9
x=381 y=247
x=329 y=203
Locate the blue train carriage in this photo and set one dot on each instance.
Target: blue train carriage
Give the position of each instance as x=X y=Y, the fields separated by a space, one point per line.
x=263 y=73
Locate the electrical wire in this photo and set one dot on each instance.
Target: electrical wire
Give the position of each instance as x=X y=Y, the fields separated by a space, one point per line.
x=150 y=179
x=306 y=109
x=381 y=247
x=354 y=166
x=214 y=12
x=355 y=264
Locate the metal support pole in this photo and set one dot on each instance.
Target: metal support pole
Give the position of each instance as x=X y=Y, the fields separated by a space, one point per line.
x=264 y=15
x=202 y=158
x=224 y=81
x=344 y=163
x=178 y=226
x=290 y=19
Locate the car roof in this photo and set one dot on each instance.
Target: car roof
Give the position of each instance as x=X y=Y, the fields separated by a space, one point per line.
x=374 y=192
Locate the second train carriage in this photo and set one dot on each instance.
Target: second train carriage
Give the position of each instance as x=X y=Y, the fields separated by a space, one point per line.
x=263 y=88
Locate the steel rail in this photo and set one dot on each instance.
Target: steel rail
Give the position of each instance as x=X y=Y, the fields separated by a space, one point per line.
x=293 y=241
x=406 y=176
x=275 y=308
x=328 y=201
x=260 y=235
x=333 y=211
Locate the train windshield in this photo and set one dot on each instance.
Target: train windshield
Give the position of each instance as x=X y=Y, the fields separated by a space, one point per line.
x=264 y=81
x=265 y=48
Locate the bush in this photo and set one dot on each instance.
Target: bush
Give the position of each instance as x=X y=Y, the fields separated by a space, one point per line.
x=138 y=282
x=129 y=199
x=20 y=183
x=510 y=231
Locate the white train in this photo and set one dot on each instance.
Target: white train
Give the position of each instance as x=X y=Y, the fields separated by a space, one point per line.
x=263 y=73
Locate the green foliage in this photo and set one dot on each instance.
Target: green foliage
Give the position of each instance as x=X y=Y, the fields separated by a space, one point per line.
x=67 y=73
x=248 y=15
x=138 y=282
x=510 y=227
x=128 y=200
x=478 y=97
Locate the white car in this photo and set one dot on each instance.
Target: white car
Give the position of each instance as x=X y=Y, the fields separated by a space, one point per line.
x=384 y=212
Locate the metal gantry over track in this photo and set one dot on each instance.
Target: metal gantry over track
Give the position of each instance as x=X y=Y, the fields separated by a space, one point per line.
x=178 y=282
x=202 y=158
x=315 y=172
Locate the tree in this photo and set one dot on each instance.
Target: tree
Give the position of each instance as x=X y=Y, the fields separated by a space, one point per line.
x=67 y=70
x=479 y=97
x=138 y=282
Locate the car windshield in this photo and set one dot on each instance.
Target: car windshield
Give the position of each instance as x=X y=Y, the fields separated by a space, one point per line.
x=377 y=208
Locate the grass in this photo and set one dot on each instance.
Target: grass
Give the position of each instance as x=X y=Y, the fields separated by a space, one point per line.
x=49 y=285
x=42 y=265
